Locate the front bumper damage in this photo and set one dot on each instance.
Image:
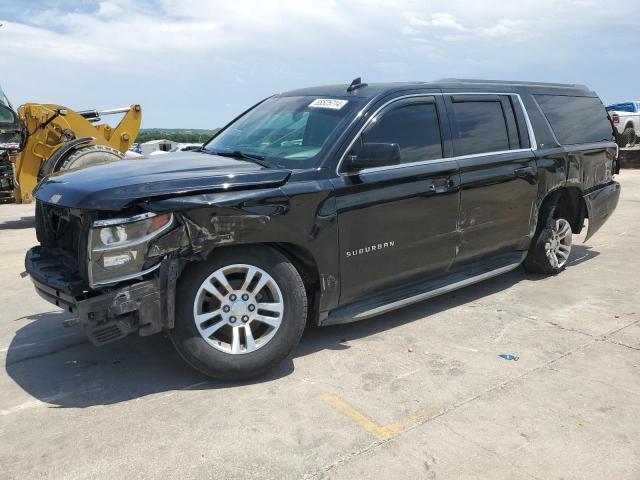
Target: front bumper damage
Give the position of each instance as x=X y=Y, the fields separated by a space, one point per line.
x=145 y=306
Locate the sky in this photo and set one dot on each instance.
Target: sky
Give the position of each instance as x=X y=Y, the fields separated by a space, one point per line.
x=199 y=63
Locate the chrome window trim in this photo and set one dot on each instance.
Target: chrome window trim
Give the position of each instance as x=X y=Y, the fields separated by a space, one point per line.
x=440 y=160
x=532 y=138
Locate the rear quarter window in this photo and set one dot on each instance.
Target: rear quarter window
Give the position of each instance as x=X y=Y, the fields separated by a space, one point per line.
x=576 y=119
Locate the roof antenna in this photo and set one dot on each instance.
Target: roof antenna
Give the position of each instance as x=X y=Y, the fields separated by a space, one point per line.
x=357 y=83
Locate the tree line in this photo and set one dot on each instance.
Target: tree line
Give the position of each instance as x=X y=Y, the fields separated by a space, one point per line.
x=176 y=135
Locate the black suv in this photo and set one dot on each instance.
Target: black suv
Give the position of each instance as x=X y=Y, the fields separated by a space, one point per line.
x=325 y=205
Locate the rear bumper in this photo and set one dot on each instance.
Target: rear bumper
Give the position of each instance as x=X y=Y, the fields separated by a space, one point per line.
x=600 y=205
x=144 y=306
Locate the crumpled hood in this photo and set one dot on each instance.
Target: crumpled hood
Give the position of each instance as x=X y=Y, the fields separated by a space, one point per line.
x=115 y=185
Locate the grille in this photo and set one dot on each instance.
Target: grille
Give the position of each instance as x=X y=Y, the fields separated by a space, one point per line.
x=6 y=178
x=59 y=229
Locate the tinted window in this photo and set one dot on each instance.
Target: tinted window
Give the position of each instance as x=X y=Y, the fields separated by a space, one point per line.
x=481 y=127
x=576 y=119
x=6 y=115
x=414 y=127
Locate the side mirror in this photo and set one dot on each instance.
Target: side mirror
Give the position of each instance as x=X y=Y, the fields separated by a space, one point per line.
x=371 y=155
x=9 y=124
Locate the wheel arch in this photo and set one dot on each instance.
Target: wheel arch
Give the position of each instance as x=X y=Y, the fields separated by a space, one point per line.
x=303 y=261
x=571 y=202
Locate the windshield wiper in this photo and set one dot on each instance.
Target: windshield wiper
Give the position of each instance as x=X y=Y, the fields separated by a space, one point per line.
x=259 y=159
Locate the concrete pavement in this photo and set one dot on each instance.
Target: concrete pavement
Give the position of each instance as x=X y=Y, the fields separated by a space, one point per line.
x=419 y=393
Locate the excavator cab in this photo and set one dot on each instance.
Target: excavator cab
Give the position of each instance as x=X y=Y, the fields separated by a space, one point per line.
x=9 y=123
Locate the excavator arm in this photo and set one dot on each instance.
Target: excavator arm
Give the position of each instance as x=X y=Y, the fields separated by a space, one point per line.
x=46 y=128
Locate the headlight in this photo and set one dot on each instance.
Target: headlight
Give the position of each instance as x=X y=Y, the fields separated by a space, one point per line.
x=118 y=247
x=119 y=232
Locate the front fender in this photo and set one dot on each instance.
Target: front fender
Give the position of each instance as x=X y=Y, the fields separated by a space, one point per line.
x=301 y=214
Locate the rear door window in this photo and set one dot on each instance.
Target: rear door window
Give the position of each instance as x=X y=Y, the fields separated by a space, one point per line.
x=576 y=119
x=481 y=126
x=414 y=127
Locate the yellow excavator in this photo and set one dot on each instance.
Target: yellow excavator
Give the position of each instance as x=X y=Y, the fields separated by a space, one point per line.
x=40 y=139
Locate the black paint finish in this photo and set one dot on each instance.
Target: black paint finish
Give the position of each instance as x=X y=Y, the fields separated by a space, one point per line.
x=361 y=237
x=115 y=185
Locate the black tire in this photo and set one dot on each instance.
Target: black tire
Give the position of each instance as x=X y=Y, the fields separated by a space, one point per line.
x=226 y=366
x=537 y=260
x=628 y=138
x=90 y=156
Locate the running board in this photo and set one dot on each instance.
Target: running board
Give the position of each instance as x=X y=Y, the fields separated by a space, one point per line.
x=353 y=313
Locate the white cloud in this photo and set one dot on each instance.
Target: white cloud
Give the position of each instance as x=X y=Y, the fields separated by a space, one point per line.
x=442 y=20
x=180 y=56
x=109 y=10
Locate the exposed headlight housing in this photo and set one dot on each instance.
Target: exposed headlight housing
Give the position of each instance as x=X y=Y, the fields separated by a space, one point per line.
x=118 y=247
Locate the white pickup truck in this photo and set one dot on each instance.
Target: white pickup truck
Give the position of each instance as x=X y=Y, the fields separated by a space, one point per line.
x=626 y=120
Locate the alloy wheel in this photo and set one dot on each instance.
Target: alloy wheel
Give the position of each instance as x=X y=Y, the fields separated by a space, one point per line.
x=558 y=247
x=238 y=309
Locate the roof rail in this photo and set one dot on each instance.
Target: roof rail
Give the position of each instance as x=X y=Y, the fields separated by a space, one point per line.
x=508 y=82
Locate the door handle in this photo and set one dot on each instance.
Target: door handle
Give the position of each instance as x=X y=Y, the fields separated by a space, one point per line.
x=440 y=185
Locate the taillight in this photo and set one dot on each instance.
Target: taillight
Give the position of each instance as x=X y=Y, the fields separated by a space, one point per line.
x=615 y=118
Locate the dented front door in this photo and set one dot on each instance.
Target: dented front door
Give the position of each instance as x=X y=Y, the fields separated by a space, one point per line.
x=397 y=224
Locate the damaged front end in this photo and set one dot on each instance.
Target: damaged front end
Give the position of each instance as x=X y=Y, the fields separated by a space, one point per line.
x=117 y=275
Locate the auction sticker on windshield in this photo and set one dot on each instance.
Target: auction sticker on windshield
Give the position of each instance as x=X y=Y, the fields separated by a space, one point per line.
x=332 y=103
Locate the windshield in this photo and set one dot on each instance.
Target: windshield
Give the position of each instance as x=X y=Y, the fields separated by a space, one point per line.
x=289 y=131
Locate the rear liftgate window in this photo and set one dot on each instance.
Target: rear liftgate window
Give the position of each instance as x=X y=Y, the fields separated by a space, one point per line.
x=576 y=119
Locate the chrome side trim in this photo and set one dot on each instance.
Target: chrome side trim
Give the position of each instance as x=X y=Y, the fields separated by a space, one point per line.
x=438 y=291
x=532 y=137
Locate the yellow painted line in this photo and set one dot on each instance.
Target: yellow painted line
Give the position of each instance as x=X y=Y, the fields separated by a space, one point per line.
x=379 y=431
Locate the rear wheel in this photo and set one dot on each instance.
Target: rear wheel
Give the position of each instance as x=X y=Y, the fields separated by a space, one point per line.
x=550 y=248
x=240 y=313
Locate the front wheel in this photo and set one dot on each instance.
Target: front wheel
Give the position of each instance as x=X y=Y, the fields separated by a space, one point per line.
x=551 y=246
x=239 y=313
